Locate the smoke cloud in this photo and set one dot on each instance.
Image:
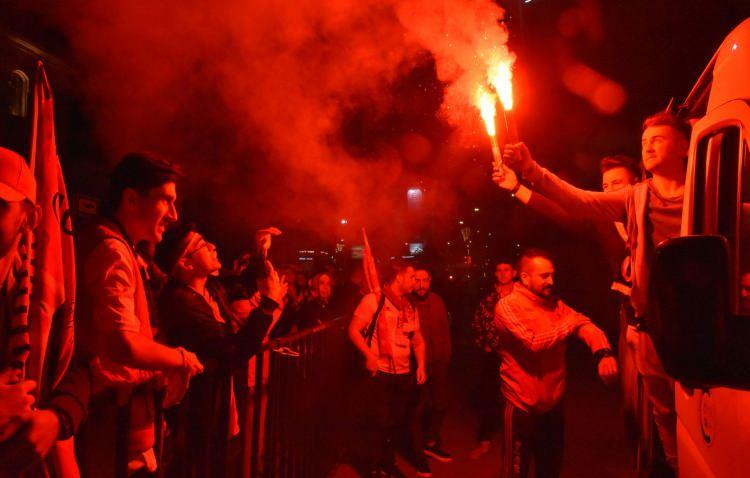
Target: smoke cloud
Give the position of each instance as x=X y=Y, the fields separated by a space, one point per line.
x=282 y=111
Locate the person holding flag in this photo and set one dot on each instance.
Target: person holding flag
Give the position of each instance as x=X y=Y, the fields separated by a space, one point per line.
x=42 y=314
x=18 y=216
x=26 y=434
x=385 y=330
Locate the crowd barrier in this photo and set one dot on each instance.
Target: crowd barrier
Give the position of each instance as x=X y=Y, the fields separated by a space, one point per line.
x=296 y=412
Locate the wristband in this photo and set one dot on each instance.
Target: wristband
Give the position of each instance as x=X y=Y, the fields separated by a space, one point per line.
x=65 y=426
x=602 y=353
x=182 y=356
x=515 y=189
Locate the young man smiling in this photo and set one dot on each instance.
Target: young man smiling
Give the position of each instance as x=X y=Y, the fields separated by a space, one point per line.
x=114 y=336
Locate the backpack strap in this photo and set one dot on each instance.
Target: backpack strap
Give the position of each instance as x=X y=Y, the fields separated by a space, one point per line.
x=371 y=328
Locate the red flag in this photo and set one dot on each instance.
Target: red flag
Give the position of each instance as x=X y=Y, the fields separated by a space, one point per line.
x=53 y=288
x=368 y=263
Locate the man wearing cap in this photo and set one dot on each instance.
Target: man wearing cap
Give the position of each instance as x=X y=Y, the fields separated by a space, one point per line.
x=195 y=314
x=18 y=215
x=23 y=431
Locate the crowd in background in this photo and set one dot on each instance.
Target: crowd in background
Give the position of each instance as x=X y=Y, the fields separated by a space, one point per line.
x=164 y=335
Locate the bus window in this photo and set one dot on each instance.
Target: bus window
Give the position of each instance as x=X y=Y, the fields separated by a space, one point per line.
x=699 y=186
x=733 y=210
x=744 y=243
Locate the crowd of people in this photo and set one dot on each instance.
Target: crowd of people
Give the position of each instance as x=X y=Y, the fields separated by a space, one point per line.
x=160 y=328
x=521 y=328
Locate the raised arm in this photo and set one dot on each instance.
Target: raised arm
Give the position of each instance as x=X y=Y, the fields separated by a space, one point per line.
x=592 y=205
x=507 y=317
x=552 y=211
x=191 y=327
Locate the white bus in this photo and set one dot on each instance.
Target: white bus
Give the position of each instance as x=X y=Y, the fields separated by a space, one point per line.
x=699 y=315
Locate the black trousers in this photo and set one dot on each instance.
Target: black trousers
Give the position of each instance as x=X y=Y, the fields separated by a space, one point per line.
x=386 y=399
x=434 y=398
x=488 y=396
x=527 y=437
x=428 y=408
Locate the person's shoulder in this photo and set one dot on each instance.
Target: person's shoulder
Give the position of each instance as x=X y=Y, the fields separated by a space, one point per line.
x=437 y=298
x=109 y=253
x=563 y=308
x=511 y=301
x=638 y=191
x=503 y=302
x=369 y=300
x=174 y=293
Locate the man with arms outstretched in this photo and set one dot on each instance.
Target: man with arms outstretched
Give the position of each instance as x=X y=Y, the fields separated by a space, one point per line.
x=534 y=326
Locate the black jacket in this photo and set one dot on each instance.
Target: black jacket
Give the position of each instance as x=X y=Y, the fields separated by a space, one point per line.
x=200 y=422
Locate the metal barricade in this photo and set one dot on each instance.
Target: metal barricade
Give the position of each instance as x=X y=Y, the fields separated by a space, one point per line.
x=295 y=413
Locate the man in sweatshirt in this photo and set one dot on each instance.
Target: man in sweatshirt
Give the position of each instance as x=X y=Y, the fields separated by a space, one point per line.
x=534 y=326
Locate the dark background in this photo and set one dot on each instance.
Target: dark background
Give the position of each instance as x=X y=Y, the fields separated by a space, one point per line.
x=653 y=49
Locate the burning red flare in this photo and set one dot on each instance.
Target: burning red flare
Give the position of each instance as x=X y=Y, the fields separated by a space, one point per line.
x=487 y=110
x=497 y=94
x=501 y=78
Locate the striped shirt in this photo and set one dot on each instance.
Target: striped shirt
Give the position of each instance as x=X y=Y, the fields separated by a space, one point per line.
x=534 y=333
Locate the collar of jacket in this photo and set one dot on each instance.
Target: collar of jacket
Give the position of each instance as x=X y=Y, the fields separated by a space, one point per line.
x=524 y=291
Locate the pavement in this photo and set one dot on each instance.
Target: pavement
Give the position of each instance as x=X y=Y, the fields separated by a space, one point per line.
x=595 y=441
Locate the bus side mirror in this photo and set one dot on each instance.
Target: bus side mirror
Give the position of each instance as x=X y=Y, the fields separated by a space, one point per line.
x=688 y=308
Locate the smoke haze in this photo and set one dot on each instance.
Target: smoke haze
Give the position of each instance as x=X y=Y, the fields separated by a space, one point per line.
x=282 y=110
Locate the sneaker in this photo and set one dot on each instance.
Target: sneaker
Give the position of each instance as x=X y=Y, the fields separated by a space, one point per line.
x=483 y=448
x=438 y=453
x=423 y=468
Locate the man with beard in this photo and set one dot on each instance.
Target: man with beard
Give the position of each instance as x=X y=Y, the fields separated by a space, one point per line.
x=652 y=213
x=534 y=326
x=617 y=173
x=385 y=329
x=321 y=307
x=487 y=345
x=433 y=403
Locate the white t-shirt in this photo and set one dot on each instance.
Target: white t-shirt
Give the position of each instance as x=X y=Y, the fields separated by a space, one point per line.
x=400 y=325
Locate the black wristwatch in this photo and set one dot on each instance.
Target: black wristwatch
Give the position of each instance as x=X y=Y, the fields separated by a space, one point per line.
x=515 y=189
x=602 y=353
